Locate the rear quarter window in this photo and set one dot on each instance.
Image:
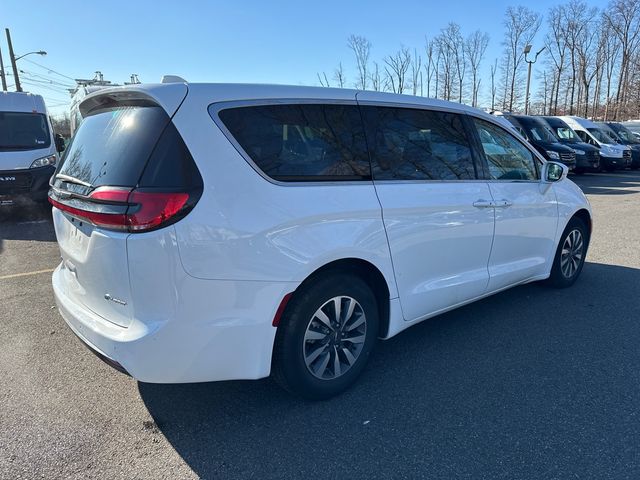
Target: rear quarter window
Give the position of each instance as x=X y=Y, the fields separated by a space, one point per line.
x=301 y=142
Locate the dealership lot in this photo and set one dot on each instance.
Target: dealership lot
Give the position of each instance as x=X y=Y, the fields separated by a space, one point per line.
x=530 y=383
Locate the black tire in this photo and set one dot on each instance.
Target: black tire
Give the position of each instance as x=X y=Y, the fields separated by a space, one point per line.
x=562 y=275
x=291 y=348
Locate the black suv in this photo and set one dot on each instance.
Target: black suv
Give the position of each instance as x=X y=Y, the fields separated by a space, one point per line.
x=623 y=135
x=587 y=156
x=538 y=134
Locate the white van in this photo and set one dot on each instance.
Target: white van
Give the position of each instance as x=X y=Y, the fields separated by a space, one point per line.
x=28 y=151
x=215 y=232
x=612 y=155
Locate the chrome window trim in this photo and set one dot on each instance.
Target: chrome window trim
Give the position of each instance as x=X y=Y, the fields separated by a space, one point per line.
x=214 y=109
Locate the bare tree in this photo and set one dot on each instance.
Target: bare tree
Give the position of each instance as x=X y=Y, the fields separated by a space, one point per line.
x=611 y=49
x=459 y=56
x=376 y=80
x=521 y=26
x=62 y=124
x=397 y=66
x=445 y=45
x=416 y=66
x=361 y=48
x=339 y=76
x=623 y=18
x=430 y=65
x=577 y=19
x=322 y=78
x=494 y=88
x=476 y=46
x=587 y=53
x=556 y=44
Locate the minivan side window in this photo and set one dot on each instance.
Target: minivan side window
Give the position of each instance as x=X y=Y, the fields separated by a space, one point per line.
x=301 y=142
x=415 y=144
x=507 y=157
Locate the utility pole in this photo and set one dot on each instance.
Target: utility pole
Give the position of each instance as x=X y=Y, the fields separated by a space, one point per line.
x=2 y=74
x=12 y=57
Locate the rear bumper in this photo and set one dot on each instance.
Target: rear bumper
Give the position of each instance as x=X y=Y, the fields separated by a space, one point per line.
x=25 y=184
x=221 y=331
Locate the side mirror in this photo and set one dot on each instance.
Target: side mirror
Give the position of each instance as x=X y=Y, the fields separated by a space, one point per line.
x=60 y=146
x=554 y=172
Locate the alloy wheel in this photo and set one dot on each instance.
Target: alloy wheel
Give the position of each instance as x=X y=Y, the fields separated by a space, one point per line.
x=572 y=252
x=334 y=337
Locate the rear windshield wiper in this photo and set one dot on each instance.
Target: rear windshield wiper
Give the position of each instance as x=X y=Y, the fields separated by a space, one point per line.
x=70 y=179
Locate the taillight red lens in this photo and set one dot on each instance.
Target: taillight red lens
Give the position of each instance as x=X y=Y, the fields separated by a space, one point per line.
x=125 y=209
x=151 y=209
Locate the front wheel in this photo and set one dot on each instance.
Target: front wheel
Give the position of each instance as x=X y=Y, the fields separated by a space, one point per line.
x=325 y=336
x=570 y=255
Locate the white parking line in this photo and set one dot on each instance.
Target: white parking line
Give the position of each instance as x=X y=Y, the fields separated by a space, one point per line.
x=26 y=274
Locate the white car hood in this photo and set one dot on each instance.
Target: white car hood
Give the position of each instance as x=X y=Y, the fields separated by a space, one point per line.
x=15 y=159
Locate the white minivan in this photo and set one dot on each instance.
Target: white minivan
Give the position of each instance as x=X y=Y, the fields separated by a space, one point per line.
x=215 y=232
x=27 y=148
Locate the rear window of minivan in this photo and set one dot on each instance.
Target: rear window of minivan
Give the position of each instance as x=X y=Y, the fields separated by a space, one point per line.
x=301 y=142
x=127 y=146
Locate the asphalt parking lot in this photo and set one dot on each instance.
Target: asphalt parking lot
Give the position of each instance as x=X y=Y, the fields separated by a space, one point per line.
x=530 y=383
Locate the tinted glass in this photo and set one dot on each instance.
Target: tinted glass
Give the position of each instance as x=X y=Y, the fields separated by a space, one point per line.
x=565 y=133
x=302 y=142
x=624 y=133
x=538 y=131
x=601 y=135
x=507 y=157
x=112 y=147
x=171 y=164
x=23 y=131
x=411 y=144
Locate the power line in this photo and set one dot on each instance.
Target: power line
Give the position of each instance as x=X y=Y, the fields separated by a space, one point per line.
x=46 y=84
x=47 y=79
x=49 y=69
x=47 y=87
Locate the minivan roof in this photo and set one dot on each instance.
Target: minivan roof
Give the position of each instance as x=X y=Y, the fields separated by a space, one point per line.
x=222 y=92
x=22 y=102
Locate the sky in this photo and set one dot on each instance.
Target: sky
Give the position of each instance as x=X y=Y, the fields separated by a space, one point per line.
x=277 y=41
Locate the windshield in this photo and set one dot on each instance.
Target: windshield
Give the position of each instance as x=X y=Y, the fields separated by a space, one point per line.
x=539 y=132
x=625 y=134
x=601 y=135
x=566 y=134
x=23 y=131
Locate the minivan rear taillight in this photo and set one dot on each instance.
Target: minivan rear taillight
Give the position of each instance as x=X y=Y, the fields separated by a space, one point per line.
x=125 y=209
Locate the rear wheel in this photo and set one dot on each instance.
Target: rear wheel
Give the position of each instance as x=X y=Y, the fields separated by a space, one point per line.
x=570 y=255
x=325 y=336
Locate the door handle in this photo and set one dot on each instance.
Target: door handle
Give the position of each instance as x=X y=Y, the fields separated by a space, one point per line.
x=483 y=204
x=503 y=203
